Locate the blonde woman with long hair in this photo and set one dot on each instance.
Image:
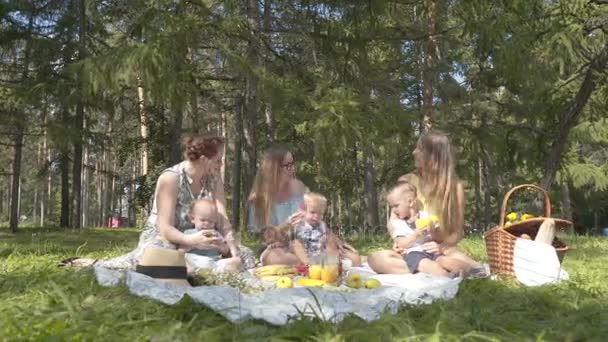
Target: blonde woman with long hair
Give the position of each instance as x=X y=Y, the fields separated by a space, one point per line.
x=441 y=193
x=274 y=203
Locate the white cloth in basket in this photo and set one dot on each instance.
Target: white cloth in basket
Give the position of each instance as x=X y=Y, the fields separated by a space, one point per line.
x=536 y=263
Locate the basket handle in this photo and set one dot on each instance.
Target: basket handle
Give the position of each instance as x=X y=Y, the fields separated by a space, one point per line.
x=503 y=208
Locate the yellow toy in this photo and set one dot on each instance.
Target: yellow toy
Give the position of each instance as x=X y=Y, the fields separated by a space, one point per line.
x=425 y=223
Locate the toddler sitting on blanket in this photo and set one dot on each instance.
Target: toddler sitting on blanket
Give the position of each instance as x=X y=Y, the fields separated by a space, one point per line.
x=408 y=239
x=311 y=236
x=225 y=254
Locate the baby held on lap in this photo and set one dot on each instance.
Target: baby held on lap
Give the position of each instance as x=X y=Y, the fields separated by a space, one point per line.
x=411 y=229
x=205 y=218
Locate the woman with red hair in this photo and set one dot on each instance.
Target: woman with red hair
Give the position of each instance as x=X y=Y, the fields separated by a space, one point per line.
x=177 y=188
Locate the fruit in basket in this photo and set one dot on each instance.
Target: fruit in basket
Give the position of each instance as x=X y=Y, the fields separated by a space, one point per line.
x=372 y=283
x=314 y=272
x=508 y=223
x=284 y=283
x=512 y=216
x=525 y=236
x=354 y=280
x=526 y=216
x=309 y=282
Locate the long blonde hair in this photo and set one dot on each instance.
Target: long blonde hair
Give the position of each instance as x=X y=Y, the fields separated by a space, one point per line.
x=266 y=183
x=439 y=183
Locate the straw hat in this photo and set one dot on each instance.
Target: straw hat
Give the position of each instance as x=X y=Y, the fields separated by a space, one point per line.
x=164 y=264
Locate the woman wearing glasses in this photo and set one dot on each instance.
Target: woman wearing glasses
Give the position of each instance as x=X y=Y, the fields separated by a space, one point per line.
x=275 y=201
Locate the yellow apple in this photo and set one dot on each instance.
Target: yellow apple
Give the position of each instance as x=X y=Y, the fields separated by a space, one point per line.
x=284 y=283
x=354 y=280
x=372 y=283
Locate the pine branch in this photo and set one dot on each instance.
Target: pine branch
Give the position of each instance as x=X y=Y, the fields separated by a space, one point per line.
x=571 y=114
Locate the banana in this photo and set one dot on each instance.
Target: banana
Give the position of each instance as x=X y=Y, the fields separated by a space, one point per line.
x=271 y=270
x=271 y=278
x=309 y=282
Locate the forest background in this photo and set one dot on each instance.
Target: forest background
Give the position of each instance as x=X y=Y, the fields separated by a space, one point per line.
x=97 y=93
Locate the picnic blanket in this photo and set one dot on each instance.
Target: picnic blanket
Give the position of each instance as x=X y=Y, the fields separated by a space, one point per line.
x=280 y=306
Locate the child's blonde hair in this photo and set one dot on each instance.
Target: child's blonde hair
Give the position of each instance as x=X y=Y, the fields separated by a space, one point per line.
x=315 y=200
x=439 y=183
x=402 y=189
x=202 y=201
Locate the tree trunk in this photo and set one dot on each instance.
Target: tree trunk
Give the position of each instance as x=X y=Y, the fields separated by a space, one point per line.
x=99 y=180
x=108 y=179
x=36 y=185
x=236 y=166
x=371 y=193
x=429 y=64
x=251 y=102
x=224 y=135
x=478 y=185
x=131 y=196
x=566 y=204
x=65 y=189
x=19 y=123
x=175 y=133
x=77 y=167
x=45 y=158
x=569 y=117
x=143 y=121
x=49 y=190
x=196 y=126
x=270 y=134
x=16 y=177
x=79 y=126
x=85 y=192
x=487 y=212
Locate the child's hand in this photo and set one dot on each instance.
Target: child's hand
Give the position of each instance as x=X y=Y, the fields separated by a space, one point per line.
x=210 y=233
x=397 y=249
x=270 y=235
x=275 y=245
x=295 y=218
x=198 y=240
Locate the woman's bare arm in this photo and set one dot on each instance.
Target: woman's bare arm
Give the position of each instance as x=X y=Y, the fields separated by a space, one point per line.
x=166 y=200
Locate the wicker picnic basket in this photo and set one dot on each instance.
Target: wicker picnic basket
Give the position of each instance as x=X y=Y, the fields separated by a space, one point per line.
x=500 y=240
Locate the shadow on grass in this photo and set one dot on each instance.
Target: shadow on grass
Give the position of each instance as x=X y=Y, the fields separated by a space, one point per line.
x=61 y=241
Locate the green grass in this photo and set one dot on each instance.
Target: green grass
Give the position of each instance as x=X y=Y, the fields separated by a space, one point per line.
x=39 y=301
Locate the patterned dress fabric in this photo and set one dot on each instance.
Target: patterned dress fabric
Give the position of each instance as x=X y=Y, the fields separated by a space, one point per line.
x=151 y=232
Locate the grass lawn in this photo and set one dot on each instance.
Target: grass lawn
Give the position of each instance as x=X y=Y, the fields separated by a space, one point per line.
x=39 y=301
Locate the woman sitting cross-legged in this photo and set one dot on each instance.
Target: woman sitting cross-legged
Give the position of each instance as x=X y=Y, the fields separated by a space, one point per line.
x=277 y=206
x=440 y=193
x=177 y=189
